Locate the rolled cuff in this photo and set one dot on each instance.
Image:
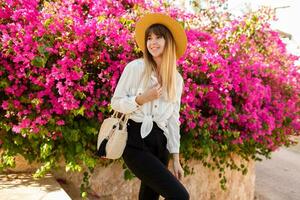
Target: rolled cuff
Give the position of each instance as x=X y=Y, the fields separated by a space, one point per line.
x=173 y=149
x=125 y=105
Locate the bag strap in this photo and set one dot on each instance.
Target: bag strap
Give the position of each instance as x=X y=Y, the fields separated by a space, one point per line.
x=124 y=117
x=115 y=114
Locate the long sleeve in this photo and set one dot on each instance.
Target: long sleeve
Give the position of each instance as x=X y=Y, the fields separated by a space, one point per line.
x=174 y=123
x=122 y=101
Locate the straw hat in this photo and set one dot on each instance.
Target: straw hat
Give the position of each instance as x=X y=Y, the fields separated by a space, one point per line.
x=156 y=18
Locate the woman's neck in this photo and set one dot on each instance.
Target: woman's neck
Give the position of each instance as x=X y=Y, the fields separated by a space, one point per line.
x=158 y=66
x=158 y=62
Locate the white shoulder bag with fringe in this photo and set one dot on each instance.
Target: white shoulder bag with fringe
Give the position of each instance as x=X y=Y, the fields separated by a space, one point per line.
x=112 y=136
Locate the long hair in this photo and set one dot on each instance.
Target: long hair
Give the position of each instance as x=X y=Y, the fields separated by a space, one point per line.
x=168 y=70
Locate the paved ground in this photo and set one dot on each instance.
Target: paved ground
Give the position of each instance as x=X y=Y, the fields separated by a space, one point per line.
x=279 y=178
x=23 y=186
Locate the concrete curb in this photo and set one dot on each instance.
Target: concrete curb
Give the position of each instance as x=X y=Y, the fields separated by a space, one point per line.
x=23 y=186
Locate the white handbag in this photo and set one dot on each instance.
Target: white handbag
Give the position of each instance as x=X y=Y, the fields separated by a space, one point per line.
x=112 y=136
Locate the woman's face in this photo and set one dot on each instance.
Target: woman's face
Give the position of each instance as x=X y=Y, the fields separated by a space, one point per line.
x=155 y=45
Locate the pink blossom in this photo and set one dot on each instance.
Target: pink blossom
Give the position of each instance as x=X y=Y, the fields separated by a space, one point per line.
x=60 y=122
x=5 y=105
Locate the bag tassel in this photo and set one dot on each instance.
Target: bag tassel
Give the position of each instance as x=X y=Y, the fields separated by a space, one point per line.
x=101 y=151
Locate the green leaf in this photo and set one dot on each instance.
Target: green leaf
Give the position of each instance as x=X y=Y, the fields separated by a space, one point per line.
x=90 y=162
x=128 y=174
x=126 y=22
x=78 y=148
x=42 y=51
x=18 y=140
x=43 y=169
x=224 y=147
x=73 y=167
x=236 y=134
x=46 y=149
x=84 y=194
x=85 y=78
x=287 y=121
x=101 y=18
x=4 y=83
x=48 y=22
x=74 y=135
x=80 y=95
x=4 y=126
x=35 y=101
x=9 y=161
x=38 y=62
x=79 y=111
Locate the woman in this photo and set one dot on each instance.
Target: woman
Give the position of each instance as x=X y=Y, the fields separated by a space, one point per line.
x=149 y=91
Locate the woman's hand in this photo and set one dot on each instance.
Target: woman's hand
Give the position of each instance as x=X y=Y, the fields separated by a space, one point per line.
x=177 y=169
x=149 y=95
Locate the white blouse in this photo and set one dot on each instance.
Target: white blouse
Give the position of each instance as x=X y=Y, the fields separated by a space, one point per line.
x=164 y=113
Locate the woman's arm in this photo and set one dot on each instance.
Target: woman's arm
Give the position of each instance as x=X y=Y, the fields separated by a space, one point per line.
x=178 y=171
x=173 y=123
x=149 y=95
x=140 y=100
x=176 y=157
x=174 y=133
x=122 y=101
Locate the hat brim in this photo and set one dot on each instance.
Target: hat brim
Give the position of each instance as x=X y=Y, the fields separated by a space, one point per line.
x=175 y=28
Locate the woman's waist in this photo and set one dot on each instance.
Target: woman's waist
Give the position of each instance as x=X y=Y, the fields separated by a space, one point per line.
x=132 y=122
x=156 y=125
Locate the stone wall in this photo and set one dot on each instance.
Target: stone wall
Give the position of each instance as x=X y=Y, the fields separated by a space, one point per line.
x=109 y=184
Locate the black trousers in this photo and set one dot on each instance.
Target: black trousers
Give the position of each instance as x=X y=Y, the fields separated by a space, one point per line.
x=148 y=159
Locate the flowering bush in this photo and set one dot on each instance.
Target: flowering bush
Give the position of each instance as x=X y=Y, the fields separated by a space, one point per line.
x=242 y=93
x=60 y=62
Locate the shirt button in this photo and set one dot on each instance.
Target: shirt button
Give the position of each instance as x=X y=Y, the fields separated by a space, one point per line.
x=155 y=106
x=152 y=116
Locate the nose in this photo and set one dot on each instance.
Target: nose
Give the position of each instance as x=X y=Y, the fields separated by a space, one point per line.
x=153 y=42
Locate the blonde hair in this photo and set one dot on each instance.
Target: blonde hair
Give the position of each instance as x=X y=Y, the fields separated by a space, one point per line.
x=168 y=70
